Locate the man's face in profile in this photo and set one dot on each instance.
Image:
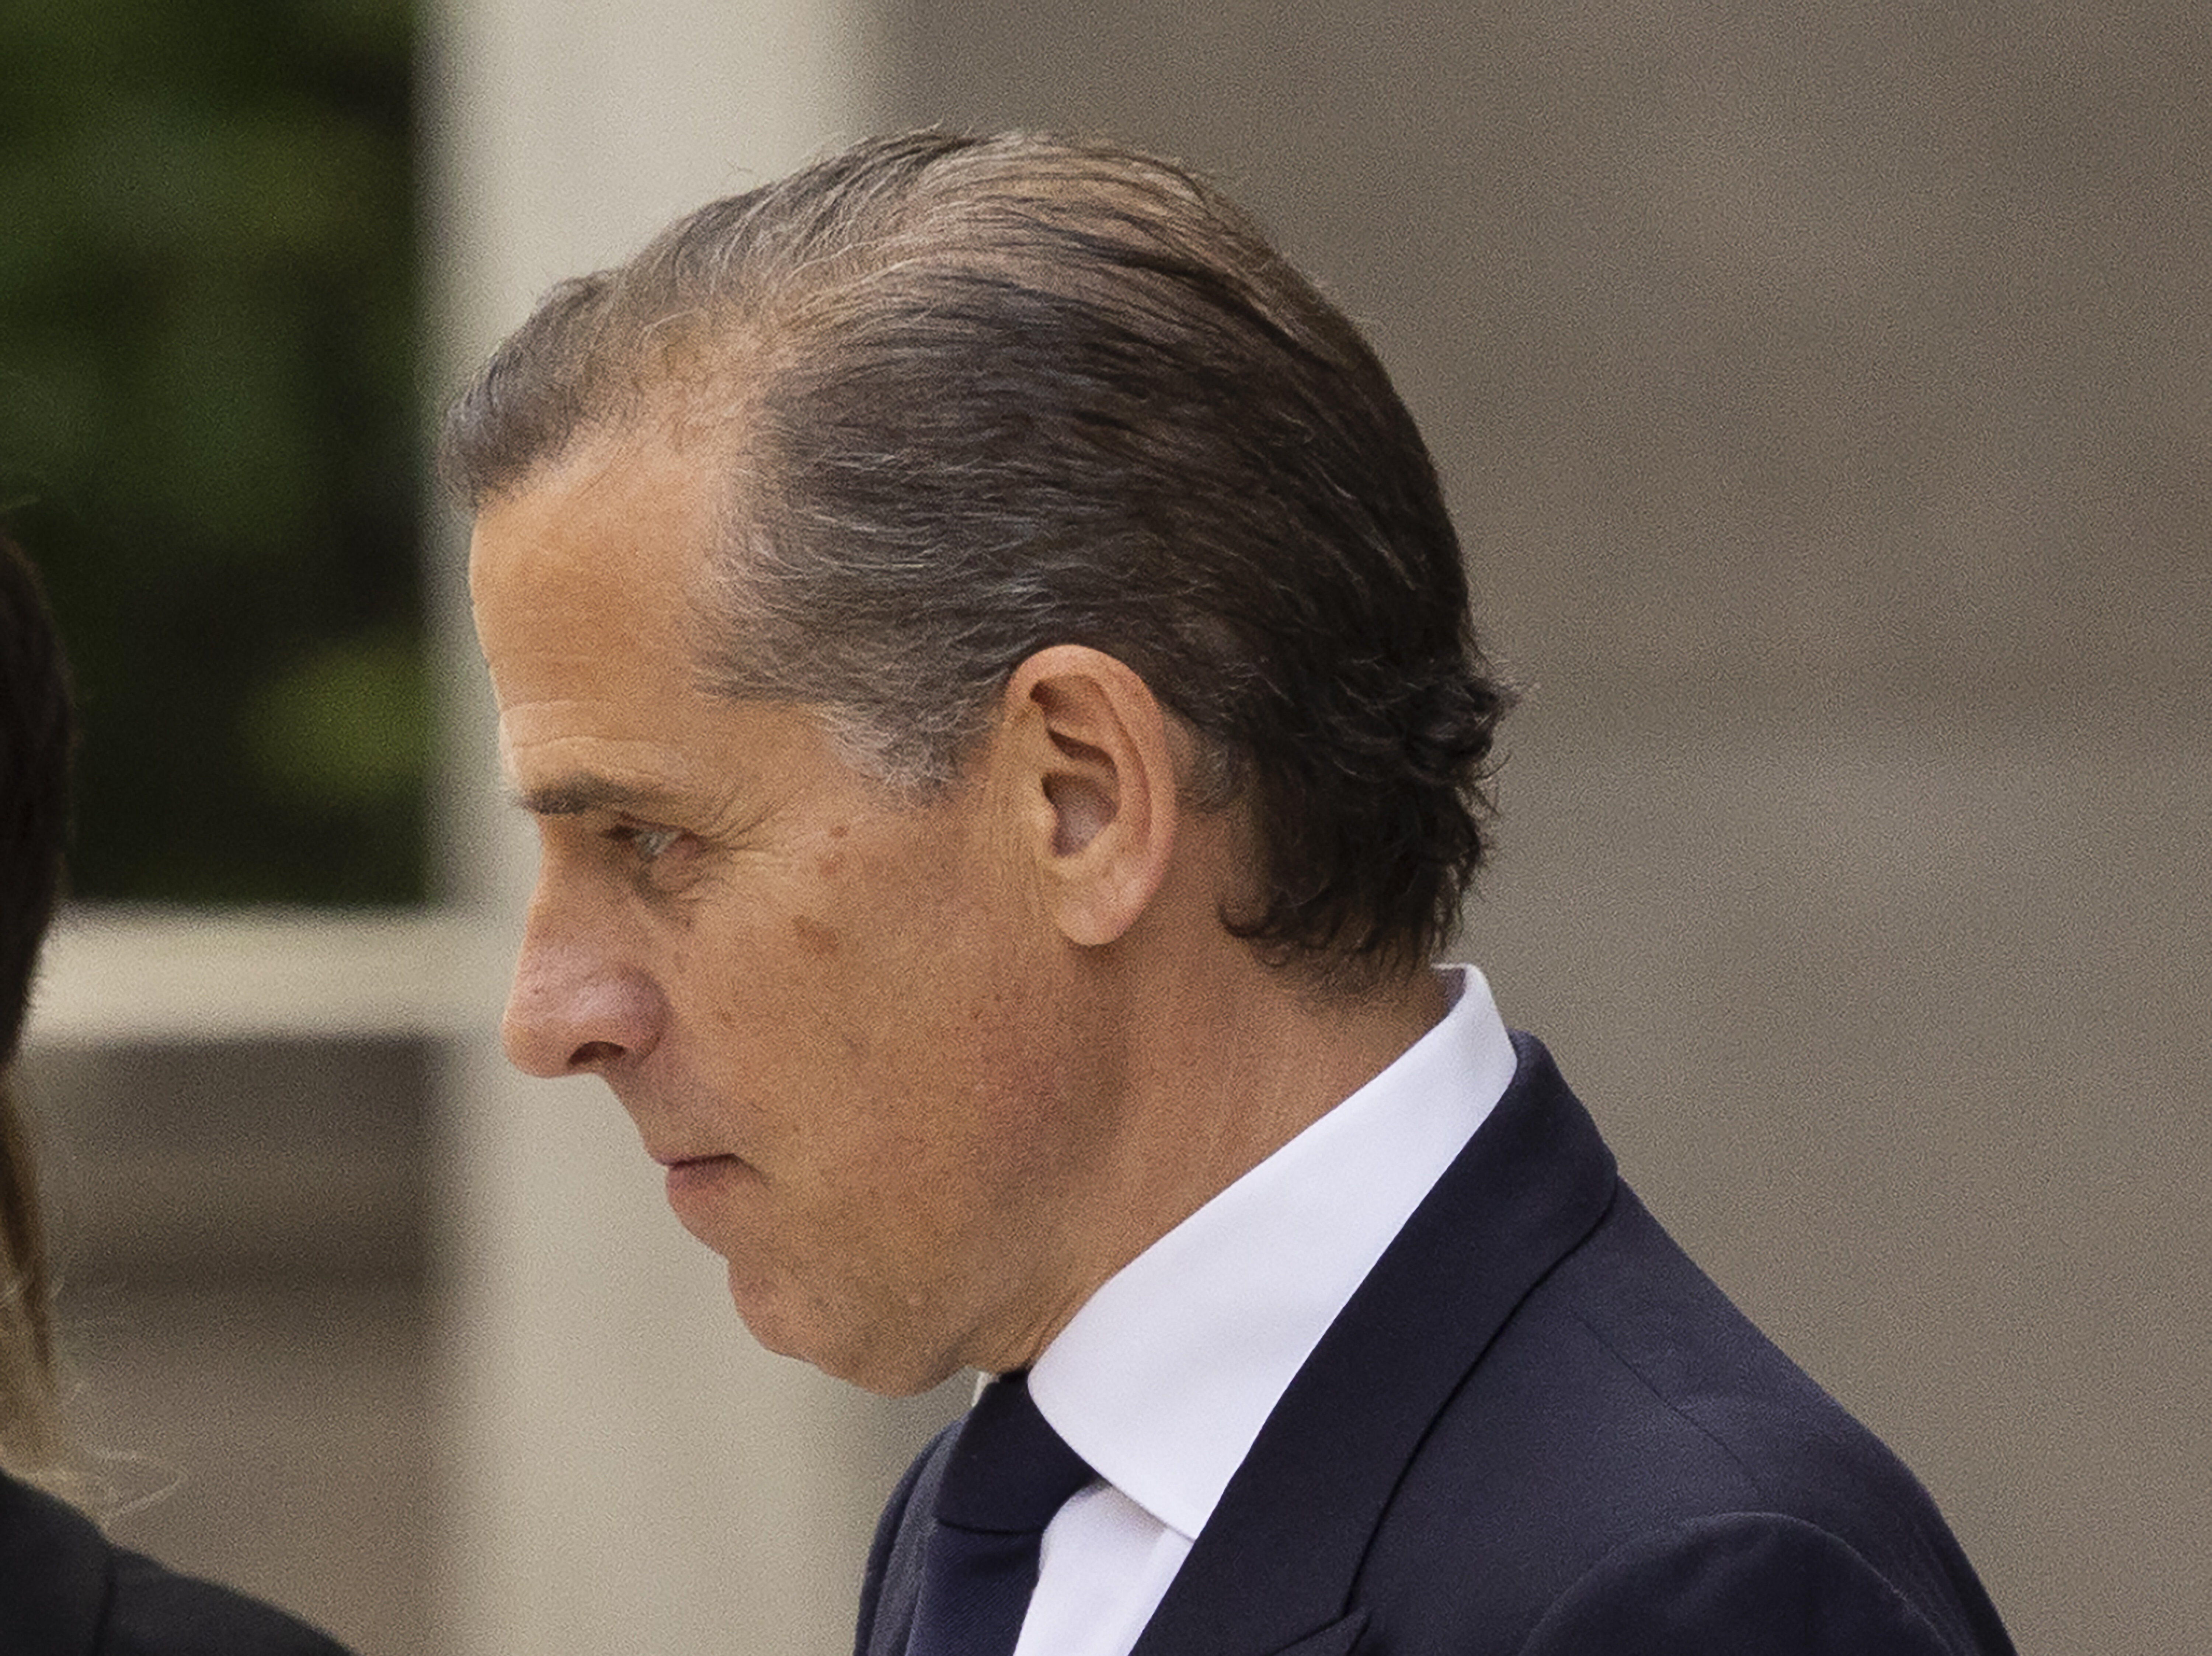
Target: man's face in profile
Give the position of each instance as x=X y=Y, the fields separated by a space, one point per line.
x=829 y=1009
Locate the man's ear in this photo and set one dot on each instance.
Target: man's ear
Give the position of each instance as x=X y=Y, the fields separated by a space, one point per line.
x=1088 y=748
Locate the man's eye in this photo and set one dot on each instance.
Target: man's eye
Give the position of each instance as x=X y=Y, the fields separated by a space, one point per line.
x=647 y=845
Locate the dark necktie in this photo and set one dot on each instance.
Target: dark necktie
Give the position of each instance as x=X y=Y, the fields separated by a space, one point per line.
x=1008 y=1474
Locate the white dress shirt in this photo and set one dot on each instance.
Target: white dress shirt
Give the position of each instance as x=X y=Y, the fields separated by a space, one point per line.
x=1165 y=1376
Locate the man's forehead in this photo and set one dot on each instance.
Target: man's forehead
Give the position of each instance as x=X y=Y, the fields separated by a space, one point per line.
x=616 y=507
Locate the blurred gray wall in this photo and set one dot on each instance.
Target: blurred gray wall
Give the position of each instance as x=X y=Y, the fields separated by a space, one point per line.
x=1824 y=394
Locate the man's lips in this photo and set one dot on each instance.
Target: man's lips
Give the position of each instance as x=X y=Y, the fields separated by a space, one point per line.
x=699 y=1176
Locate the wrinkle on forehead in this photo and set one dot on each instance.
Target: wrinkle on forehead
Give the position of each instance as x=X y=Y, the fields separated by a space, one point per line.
x=588 y=589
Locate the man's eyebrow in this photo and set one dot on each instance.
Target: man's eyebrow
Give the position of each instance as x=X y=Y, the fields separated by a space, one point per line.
x=571 y=796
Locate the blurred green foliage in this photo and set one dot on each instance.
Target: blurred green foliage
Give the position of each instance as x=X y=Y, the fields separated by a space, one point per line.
x=210 y=436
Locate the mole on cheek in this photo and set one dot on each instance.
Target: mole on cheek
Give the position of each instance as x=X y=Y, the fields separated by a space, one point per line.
x=829 y=859
x=813 y=936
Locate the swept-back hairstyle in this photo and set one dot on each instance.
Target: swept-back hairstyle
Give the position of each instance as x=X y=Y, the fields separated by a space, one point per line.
x=973 y=397
x=36 y=728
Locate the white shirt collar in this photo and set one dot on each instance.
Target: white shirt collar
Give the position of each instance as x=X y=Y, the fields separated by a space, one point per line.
x=1165 y=1376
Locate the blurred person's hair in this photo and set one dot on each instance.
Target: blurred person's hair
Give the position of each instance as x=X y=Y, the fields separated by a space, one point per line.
x=36 y=728
x=969 y=398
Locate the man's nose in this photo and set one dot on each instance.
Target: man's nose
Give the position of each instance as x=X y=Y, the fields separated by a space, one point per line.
x=576 y=1007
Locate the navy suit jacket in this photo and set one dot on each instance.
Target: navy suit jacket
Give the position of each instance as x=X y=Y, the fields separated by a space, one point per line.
x=1538 y=1428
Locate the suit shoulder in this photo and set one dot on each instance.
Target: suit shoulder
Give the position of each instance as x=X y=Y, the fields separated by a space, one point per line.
x=1745 y=1581
x=155 y=1611
x=64 y=1586
x=54 y=1571
x=1625 y=1405
x=1737 y=1418
x=1626 y=1390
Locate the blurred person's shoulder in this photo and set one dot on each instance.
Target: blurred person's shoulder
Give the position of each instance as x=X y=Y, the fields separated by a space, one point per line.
x=65 y=1588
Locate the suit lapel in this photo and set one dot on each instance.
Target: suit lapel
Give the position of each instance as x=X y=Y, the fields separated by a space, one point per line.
x=1336 y=1640
x=892 y=1585
x=1272 y=1573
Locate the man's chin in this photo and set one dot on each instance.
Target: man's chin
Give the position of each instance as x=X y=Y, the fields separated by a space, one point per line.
x=887 y=1368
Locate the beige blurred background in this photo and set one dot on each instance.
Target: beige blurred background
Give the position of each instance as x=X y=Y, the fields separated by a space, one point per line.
x=1824 y=394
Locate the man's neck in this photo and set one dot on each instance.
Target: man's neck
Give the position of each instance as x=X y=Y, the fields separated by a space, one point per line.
x=1219 y=1065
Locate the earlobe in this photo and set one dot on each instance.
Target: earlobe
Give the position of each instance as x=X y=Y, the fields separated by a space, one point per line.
x=1091 y=747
